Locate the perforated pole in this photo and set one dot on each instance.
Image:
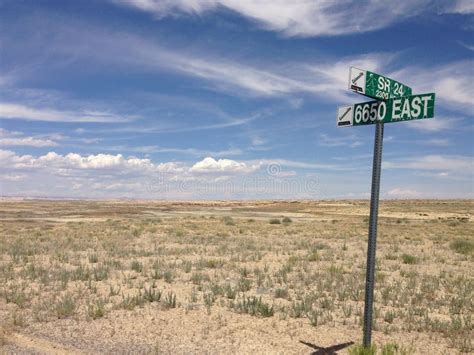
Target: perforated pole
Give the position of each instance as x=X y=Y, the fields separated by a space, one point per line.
x=372 y=240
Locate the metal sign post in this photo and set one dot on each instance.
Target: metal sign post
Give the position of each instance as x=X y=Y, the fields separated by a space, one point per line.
x=395 y=103
x=372 y=242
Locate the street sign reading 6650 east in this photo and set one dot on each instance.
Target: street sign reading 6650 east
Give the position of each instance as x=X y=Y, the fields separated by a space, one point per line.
x=407 y=108
x=375 y=85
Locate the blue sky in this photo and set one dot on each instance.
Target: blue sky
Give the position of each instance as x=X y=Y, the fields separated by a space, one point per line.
x=191 y=99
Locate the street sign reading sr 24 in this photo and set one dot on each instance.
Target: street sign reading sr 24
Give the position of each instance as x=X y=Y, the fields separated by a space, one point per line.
x=406 y=108
x=375 y=85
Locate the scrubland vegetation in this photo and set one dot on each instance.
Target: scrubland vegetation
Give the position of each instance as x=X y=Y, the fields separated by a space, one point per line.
x=233 y=277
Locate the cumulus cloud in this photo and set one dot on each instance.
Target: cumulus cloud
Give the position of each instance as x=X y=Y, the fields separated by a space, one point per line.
x=109 y=175
x=120 y=165
x=210 y=165
x=307 y=18
x=53 y=160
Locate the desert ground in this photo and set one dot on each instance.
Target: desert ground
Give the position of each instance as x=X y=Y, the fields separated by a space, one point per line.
x=233 y=277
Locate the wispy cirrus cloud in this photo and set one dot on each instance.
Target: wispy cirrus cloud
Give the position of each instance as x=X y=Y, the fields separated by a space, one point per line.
x=460 y=7
x=194 y=152
x=103 y=48
x=467 y=46
x=452 y=82
x=462 y=165
x=436 y=124
x=347 y=141
x=9 y=138
x=28 y=113
x=304 y=18
x=325 y=77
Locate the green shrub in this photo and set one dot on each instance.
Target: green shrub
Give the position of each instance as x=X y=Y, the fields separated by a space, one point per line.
x=287 y=220
x=394 y=349
x=228 y=221
x=170 y=300
x=137 y=266
x=275 y=221
x=254 y=306
x=409 y=259
x=230 y=292
x=168 y=276
x=93 y=258
x=462 y=246
x=152 y=295
x=96 y=309
x=244 y=284
x=130 y=302
x=281 y=293
x=361 y=350
x=65 y=306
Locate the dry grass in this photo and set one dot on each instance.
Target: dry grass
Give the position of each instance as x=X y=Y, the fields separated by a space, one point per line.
x=227 y=277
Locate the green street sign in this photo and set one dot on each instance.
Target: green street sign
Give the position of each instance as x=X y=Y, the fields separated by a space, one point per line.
x=375 y=85
x=415 y=107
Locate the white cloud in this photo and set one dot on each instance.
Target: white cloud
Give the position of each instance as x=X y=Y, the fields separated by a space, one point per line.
x=456 y=163
x=107 y=175
x=403 y=193
x=323 y=76
x=119 y=164
x=10 y=138
x=435 y=124
x=257 y=140
x=12 y=177
x=437 y=142
x=22 y=112
x=303 y=17
x=464 y=7
x=451 y=82
x=467 y=46
x=299 y=164
x=347 y=141
x=210 y=165
x=328 y=79
x=29 y=141
x=185 y=151
x=56 y=161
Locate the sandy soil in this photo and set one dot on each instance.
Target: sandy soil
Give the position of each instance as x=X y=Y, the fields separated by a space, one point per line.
x=82 y=276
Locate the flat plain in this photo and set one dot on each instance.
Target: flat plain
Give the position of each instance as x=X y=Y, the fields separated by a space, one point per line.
x=233 y=277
